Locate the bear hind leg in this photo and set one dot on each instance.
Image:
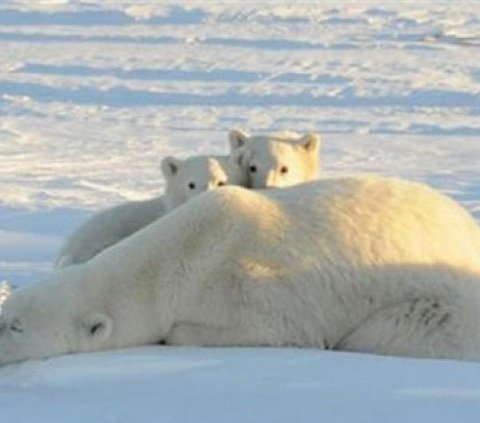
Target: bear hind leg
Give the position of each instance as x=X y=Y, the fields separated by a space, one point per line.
x=417 y=328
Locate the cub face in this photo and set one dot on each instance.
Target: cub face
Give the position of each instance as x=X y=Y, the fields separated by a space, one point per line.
x=277 y=160
x=190 y=177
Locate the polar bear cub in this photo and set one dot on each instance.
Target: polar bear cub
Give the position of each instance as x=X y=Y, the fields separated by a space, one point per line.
x=184 y=179
x=281 y=159
x=189 y=177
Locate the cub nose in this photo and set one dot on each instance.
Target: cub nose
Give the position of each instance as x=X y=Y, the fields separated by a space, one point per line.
x=271 y=180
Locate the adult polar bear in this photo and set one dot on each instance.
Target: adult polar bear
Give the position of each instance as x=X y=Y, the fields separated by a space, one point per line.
x=364 y=264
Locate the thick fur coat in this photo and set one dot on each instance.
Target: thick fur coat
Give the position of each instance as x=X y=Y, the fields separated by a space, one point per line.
x=281 y=159
x=359 y=264
x=184 y=180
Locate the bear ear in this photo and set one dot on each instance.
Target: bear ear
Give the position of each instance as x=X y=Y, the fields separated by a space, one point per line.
x=310 y=141
x=97 y=326
x=170 y=166
x=237 y=139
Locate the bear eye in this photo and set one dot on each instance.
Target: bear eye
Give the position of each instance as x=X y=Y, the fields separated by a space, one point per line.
x=96 y=328
x=253 y=168
x=191 y=185
x=284 y=169
x=16 y=327
x=221 y=183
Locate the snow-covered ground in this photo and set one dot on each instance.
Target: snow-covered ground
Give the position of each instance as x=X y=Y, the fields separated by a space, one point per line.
x=93 y=94
x=193 y=385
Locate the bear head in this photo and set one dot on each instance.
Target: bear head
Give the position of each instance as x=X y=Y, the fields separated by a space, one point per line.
x=186 y=178
x=277 y=160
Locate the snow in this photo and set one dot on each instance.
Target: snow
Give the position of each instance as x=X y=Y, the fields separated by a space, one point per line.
x=154 y=384
x=93 y=94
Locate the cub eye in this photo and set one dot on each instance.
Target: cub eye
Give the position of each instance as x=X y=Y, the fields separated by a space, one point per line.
x=221 y=184
x=253 y=168
x=284 y=169
x=191 y=185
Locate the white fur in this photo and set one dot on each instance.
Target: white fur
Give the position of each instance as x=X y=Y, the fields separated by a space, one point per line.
x=361 y=264
x=114 y=224
x=205 y=172
x=281 y=159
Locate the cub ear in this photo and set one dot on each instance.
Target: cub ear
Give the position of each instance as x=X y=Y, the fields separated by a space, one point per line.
x=310 y=141
x=170 y=166
x=237 y=139
x=98 y=326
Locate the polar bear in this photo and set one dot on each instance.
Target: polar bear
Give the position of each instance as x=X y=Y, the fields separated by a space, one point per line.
x=281 y=159
x=363 y=264
x=184 y=179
